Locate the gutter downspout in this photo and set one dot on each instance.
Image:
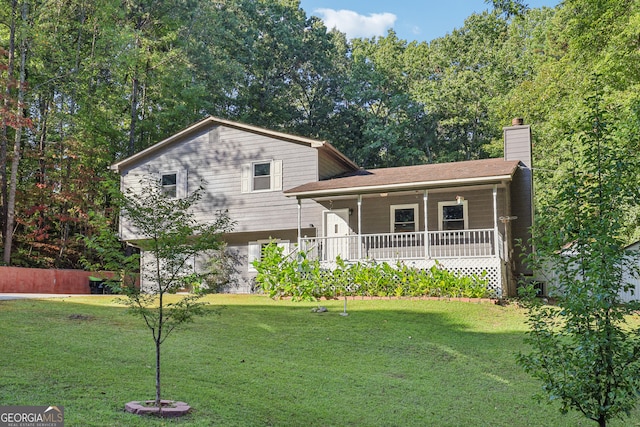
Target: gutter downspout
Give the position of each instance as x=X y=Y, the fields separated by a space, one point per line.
x=495 y=220
x=359 y=226
x=425 y=198
x=299 y=225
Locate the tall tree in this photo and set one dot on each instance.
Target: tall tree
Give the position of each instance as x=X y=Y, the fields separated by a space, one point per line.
x=393 y=127
x=285 y=64
x=509 y=7
x=155 y=57
x=566 y=46
x=465 y=74
x=19 y=26
x=79 y=104
x=63 y=161
x=8 y=111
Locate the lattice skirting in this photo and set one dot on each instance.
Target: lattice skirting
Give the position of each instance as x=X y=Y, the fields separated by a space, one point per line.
x=494 y=268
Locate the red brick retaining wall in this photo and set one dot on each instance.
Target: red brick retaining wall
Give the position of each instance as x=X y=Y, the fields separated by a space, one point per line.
x=36 y=280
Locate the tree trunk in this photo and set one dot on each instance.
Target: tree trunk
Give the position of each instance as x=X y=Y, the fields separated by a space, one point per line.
x=158 y=399
x=11 y=200
x=4 y=139
x=134 y=117
x=158 y=345
x=44 y=119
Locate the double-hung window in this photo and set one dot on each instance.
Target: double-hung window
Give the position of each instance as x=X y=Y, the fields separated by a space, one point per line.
x=261 y=176
x=168 y=183
x=453 y=215
x=404 y=218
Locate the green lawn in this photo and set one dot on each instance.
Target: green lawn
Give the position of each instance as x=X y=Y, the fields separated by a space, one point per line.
x=275 y=363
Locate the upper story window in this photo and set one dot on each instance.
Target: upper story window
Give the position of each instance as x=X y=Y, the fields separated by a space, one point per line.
x=262 y=176
x=453 y=215
x=173 y=184
x=404 y=218
x=168 y=182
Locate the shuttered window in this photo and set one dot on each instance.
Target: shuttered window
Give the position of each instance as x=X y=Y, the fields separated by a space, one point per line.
x=168 y=182
x=174 y=183
x=262 y=176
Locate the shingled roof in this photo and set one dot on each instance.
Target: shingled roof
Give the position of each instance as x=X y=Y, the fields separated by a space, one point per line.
x=403 y=178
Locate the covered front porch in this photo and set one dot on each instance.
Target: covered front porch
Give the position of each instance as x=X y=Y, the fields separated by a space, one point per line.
x=454 y=242
x=458 y=215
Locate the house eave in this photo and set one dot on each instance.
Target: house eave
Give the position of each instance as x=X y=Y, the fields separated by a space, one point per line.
x=389 y=188
x=337 y=155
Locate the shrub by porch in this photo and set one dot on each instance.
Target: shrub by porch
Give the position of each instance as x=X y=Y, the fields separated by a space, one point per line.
x=302 y=278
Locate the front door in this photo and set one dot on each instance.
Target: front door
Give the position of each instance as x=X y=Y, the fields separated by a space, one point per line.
x=337 y=231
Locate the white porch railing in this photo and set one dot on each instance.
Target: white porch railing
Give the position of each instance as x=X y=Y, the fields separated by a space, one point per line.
x=479 y=243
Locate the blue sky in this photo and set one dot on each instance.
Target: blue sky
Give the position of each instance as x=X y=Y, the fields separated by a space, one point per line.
x=421 y=20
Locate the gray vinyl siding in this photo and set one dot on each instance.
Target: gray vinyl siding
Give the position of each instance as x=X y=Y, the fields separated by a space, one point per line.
x=376 y=212
x=214 y=158
x=269 y=210
x=517 y=144
x=479 y=203
x=521 y=206
x=328 y=168
x=241 y=279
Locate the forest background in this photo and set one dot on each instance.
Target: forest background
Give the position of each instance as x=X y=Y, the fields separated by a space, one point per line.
x=85 y=84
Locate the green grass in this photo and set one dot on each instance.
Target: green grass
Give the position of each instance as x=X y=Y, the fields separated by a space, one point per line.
x=274 y=363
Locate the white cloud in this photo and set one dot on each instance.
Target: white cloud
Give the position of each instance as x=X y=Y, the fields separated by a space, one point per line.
x=355 y=25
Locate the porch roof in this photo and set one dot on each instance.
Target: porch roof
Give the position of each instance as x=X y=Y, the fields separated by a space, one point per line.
x=438 y=175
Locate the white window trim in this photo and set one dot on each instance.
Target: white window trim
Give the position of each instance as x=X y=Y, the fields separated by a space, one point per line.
x=275 y=175
x=465 y=212
x=392 y=215
x=181 y=181
x=254 y=250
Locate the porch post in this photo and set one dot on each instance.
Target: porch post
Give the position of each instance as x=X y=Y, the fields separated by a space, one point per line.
x=359 y=226
x=299 y=224
x=425 y=198
x=495 y=220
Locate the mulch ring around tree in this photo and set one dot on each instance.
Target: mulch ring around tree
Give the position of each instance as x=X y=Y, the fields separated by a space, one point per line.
x=170 y=408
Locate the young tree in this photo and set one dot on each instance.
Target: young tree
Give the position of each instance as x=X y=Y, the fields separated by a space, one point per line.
x=583 y=351
x=171 y=239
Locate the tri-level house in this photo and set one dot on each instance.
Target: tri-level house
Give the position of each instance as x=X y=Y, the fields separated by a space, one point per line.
x=307 y=195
